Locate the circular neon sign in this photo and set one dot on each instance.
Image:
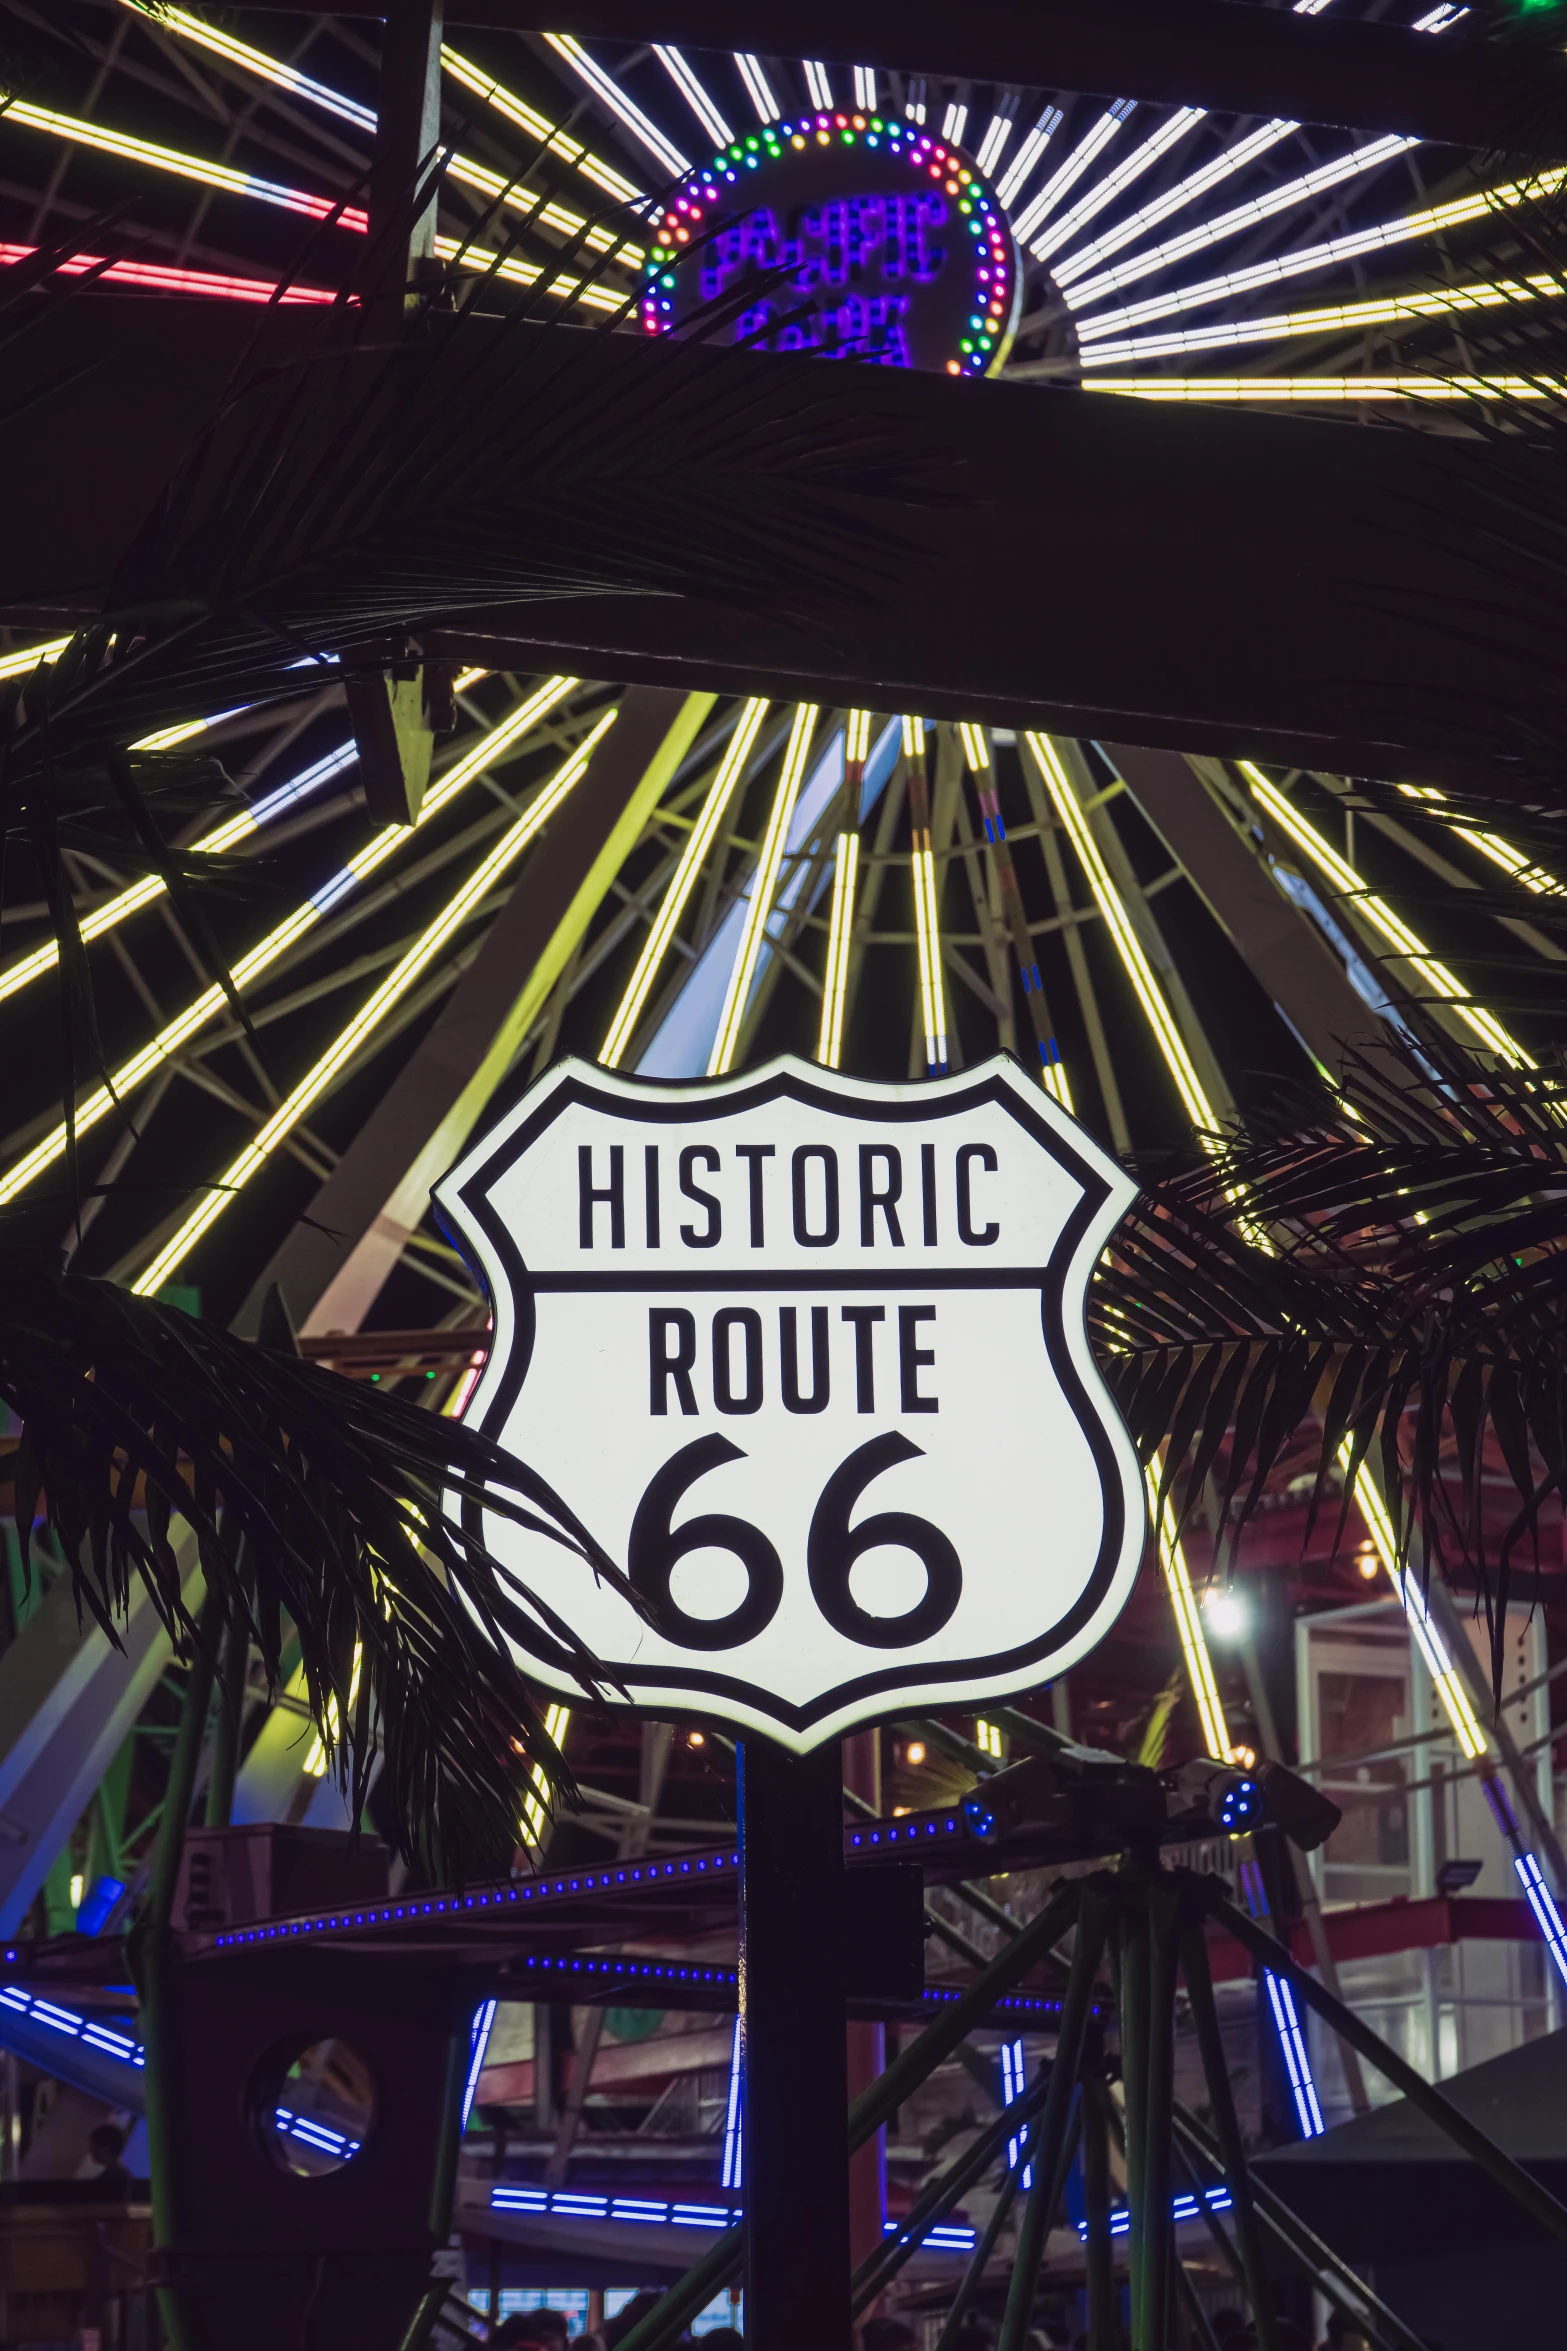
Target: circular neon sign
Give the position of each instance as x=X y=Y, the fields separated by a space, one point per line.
x=850 y=235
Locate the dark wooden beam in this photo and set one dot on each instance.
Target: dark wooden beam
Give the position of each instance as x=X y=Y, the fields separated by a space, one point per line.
x=1214 y=53
x=1319 y=594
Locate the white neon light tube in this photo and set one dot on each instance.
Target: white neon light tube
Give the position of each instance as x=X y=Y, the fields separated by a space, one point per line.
x=212 y=1002
x=1010 y=184
x=1115 y=183
x=1208 y=233
x=1139 y=971
x=1349 y=247
x=992 y=145
x=721 y=791
x=954 y=123
x=757 y=86
x=679 y=71
x=1380 y=916
x=490 y=870
x=1068 y=173
x=763 y=884
x=664 y=152
x=1188 y=191
x=865 y=91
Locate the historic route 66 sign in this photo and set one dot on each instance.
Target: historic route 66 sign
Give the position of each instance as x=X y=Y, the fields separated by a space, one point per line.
x=807 y=1357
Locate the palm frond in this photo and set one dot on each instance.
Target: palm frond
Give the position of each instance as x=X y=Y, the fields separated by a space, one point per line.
x=316 y=1503
x=1379 y=1278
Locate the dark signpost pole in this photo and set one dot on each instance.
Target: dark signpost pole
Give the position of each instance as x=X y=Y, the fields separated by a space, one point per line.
x=794 y=2063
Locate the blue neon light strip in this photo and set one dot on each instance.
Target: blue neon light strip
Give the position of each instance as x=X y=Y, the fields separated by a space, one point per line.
x=479 y=2041
x=1547 y=1917
x=504 y=1897
x=723 y=1862
x=315 y=2134
x=76 y=2028
x=734 y=2138
x=573 y=2204
x=1013 y=2080
x=1293 y=2043
x=1182 y=2208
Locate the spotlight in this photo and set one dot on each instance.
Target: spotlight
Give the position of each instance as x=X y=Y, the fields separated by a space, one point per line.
x=1367 y=1562
x=914 y=1752
x=1218 y=1793
x=1229 y=1617
x=696 y=1739
x=1246 y=1757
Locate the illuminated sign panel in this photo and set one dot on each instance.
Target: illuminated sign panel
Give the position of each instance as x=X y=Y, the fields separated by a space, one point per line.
x=807 y=1357
x=847 y=235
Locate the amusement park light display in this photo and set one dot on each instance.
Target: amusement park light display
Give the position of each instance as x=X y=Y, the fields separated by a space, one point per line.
x=854 y=235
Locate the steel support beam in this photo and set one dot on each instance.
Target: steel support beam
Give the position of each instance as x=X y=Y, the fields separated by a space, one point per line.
x=68 y=1701
x=1309 y=986
x=332 y=1266
x=1245 y=60
x=1344 y=657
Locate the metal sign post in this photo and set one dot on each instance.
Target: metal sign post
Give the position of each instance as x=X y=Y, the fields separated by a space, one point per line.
x=805 y=1358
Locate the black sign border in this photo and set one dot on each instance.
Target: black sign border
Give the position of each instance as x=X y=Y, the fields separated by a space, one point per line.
x=670 y=1101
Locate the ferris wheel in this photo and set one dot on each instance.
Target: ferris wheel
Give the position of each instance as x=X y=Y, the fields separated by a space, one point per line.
x=867 y=888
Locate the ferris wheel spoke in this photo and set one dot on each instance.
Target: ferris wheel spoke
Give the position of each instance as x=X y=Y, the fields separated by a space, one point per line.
x=208 y=1006
x=1353 y=245
x=1114 y=183
x=373 y=1013
x=1191 y=190
x=1236 y=221
x=1326 y=318
x=1195 y=1098
x=732 y=768
x=764 y=883
x=1067 y=174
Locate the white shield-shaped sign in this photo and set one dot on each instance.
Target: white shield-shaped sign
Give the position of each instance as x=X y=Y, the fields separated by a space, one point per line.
x=806 y=1355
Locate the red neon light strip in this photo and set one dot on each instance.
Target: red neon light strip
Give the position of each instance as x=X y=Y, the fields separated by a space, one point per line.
x=156 y=278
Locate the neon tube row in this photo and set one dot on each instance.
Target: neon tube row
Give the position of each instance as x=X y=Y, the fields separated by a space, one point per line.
x=386 y=843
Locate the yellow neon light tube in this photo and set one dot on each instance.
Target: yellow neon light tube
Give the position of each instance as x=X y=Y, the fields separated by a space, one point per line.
x=528 y=118
x=857 y=740
x=720 y=793
x=518 y=272
x=928 y=930
x=976 y=746
x=557 y=1721
x=763 y=885
x=15 y=665
x=1381 y=917
x=372 y=1012
x=1512 y=861
x=228 y=835
x=1449 y=1687
x=211 y=1002
x=830 y=1046
x=313 y=93
x=186 y=167
x=1188 y=1622
x=1117 y=921
x=1335 y=388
